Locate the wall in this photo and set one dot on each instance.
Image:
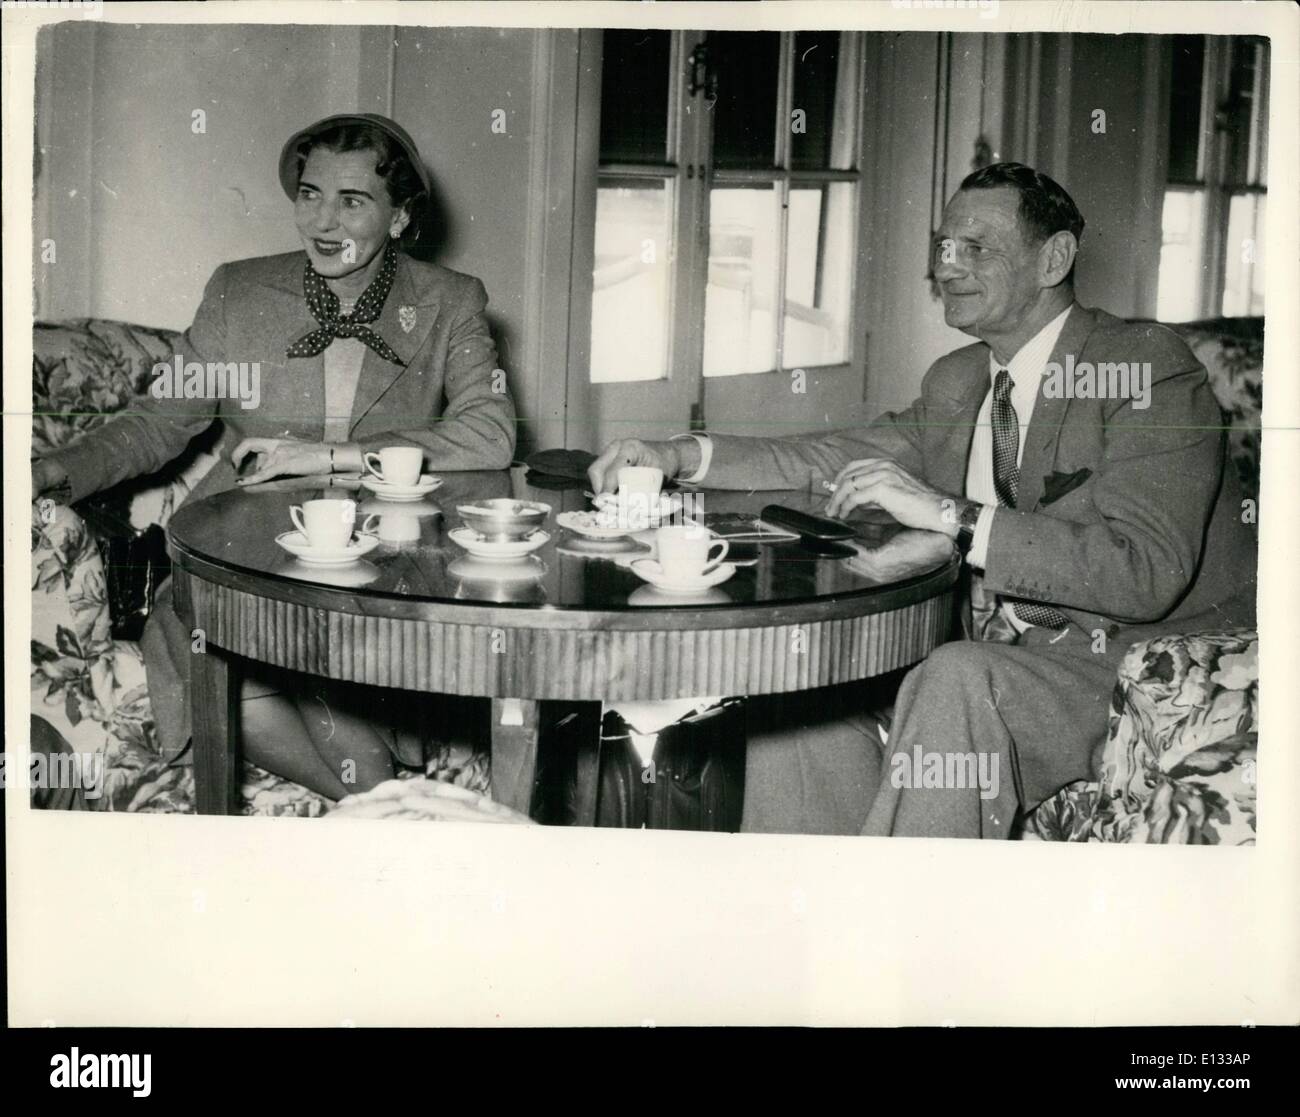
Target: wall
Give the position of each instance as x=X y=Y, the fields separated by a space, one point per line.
x=1116 y=176
x=495 y=189
x=1032 y=97
x=142 y=208
x=928 y=113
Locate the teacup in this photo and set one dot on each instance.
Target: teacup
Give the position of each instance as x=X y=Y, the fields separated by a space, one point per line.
x=325 y=524
x=686 y=552
x=397 y=465
x=638 y=495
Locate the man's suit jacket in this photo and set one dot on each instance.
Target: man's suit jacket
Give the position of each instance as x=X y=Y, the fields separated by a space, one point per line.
x=1127 y=519
x=443 y=400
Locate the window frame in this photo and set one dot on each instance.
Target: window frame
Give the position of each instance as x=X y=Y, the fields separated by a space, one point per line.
x=1211 y=180
x=689 y=164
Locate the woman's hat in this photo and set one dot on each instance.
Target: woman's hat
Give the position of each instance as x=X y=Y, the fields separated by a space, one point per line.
x=395 y=132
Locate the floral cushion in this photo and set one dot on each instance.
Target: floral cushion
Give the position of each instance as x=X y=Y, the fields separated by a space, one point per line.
x=90 y=689
x=1179 y=760
x=84 y=370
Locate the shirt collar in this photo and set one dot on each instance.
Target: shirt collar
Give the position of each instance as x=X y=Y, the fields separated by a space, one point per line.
x=1031 y=359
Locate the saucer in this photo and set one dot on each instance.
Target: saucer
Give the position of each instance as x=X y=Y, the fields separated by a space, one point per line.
x=401 y=493
x=666 y=510
x=296 y=544
x=497 y=552
x=651 y=597
x=649 y=570
x=587 y=525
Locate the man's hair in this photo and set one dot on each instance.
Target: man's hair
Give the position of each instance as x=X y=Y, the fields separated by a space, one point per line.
x=1045 y=207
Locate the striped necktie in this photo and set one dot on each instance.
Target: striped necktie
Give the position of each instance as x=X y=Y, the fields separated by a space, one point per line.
x=1006 y=482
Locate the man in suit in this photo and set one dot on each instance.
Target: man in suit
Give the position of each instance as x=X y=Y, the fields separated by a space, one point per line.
x=1092 y=511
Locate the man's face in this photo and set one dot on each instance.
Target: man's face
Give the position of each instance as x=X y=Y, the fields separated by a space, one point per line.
x=987 y=271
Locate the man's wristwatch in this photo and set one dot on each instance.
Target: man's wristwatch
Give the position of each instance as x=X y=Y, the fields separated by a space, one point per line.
x=970 y=513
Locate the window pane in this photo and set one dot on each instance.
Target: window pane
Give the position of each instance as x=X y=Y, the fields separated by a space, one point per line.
x=744 y=117
x=1185 y=107
x=1178 y=296
x=634 y=97
x=818 y=274
x=629 y=299
x=740 y=300
x=816 y=67
x=1243 y=260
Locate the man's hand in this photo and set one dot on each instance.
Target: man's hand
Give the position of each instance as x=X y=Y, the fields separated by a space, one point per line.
x=47 y=478
x=281 y=457
x=603 y=472
x=882 y=483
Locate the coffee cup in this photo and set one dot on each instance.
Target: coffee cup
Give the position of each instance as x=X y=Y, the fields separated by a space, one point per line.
x=325 y=524
x=396 y=465
x=687 y=551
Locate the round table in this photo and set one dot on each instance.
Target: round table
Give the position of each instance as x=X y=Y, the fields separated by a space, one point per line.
x=571 y=622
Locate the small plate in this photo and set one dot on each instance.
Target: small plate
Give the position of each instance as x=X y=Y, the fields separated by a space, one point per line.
x=581 y=523
x=296 y=544
x=497 y=552
x=649 y=570
x=401 y=493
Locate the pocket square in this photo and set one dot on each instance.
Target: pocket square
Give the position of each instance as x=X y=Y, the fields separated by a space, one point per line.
x=1056 y=485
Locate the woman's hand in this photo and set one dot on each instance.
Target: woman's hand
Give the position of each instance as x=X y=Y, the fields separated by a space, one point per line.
x=603 y=472
x=47 y=477
x=281 y=457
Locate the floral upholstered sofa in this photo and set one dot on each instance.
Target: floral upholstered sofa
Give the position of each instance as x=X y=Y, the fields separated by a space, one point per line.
x=1179 y=759
x=1178 y=765
x=94 y=565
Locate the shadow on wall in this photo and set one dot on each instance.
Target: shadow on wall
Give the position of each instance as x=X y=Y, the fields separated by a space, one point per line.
x=435 y=238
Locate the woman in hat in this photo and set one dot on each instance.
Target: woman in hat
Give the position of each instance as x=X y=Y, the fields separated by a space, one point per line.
x=360 y=347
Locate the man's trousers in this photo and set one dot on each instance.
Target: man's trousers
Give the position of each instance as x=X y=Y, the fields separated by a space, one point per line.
x=980 y=732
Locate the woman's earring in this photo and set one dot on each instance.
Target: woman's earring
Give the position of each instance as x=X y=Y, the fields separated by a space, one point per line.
x=394 y=233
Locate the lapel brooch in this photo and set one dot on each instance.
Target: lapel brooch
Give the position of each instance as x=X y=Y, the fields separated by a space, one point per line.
x=406 y=316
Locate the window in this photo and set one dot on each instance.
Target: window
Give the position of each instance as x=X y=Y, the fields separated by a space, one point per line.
x=1212 y=244
x=726 y=202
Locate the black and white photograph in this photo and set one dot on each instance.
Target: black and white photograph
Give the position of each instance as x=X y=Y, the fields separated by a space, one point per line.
x=719 y=438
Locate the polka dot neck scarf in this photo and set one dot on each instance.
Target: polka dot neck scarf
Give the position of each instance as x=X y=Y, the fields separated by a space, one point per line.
x=324 y=304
